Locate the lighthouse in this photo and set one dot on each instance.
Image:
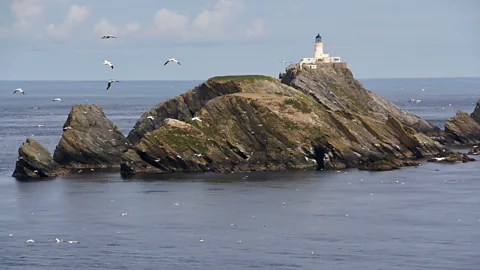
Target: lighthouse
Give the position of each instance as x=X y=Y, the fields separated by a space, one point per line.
x=319 y=58
x=318 y=49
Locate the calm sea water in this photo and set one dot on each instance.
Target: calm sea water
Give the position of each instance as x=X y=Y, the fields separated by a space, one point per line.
x=414 y=218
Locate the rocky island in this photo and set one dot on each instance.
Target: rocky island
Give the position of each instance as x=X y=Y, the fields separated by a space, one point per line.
x=312 y=118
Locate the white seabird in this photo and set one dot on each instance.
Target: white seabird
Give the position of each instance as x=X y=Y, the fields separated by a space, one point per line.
x=196 y=119
x=110 y=82
x=172 y=60
x=19 y=90
x=30 y=241
x=57 y=99
x=151 y=117
x=108 y=63
x=108 y=36
x=73 y=242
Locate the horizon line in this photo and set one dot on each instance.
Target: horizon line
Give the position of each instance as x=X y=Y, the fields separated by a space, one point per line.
x=166 y=80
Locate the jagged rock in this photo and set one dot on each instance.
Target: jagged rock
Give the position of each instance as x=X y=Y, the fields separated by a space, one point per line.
x=463 y=128
x=264 y=125
x=474 y=151
x=337 y=89
x=90 y=140
x=34 y=161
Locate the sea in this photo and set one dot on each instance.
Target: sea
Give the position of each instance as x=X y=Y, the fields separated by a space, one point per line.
x=425 y=217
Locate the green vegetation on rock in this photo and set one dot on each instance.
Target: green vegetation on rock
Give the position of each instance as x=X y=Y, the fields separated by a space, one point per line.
x=243 y=78
x=298 y=104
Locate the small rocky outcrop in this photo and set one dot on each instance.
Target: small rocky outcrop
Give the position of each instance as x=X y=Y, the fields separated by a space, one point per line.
x=90 y=140
x=474 y=151
x=451 y=157
x=463 y=128
x=34 y=161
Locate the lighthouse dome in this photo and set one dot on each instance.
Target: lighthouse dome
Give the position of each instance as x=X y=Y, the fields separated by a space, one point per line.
x=318 y=38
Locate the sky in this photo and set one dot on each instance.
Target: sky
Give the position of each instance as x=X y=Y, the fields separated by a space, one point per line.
x=60 y=39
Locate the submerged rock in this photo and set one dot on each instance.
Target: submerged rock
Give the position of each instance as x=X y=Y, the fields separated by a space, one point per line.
x=90 y=140
x=34 y=161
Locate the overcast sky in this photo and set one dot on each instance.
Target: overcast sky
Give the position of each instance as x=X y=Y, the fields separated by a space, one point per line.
x=60 y=39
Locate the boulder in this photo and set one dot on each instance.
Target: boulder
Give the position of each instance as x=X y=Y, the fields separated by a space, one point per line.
x=34 y=161
x=90 y=140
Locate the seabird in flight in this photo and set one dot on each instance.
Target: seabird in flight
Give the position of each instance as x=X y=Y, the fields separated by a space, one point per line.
x=172 y=60
x=108 y=37
x=19 y=90
x=110 y=83
x=108 y=63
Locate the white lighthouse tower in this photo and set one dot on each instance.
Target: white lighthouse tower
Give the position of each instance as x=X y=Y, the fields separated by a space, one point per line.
x=318 y=49
x=321 y=59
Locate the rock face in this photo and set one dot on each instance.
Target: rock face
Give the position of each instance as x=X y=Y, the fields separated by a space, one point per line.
x=337 y=90
x=185 y=106
x=89 y=140
x=34 y=161
x=257 y=123
x=476 y=113
x=464 y=128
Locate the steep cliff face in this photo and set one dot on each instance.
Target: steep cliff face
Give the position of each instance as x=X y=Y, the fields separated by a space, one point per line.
x=90 y=140
x=264 y=125
x=337 y=89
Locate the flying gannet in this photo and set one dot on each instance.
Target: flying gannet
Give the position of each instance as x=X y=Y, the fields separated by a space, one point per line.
x=57 y=99
x=108 y=37
x=172 y=60
x=19 y=90
x=108 y=63
x=110 y=83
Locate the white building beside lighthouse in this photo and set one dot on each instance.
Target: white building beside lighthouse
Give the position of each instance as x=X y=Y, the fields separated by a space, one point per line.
x=318 y=56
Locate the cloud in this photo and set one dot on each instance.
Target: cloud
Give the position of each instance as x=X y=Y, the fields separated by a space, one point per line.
x=168 y=23
x=217 y=22
x=104 y=27
x=257 y=28
x=27 y=13
x=76 y=16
